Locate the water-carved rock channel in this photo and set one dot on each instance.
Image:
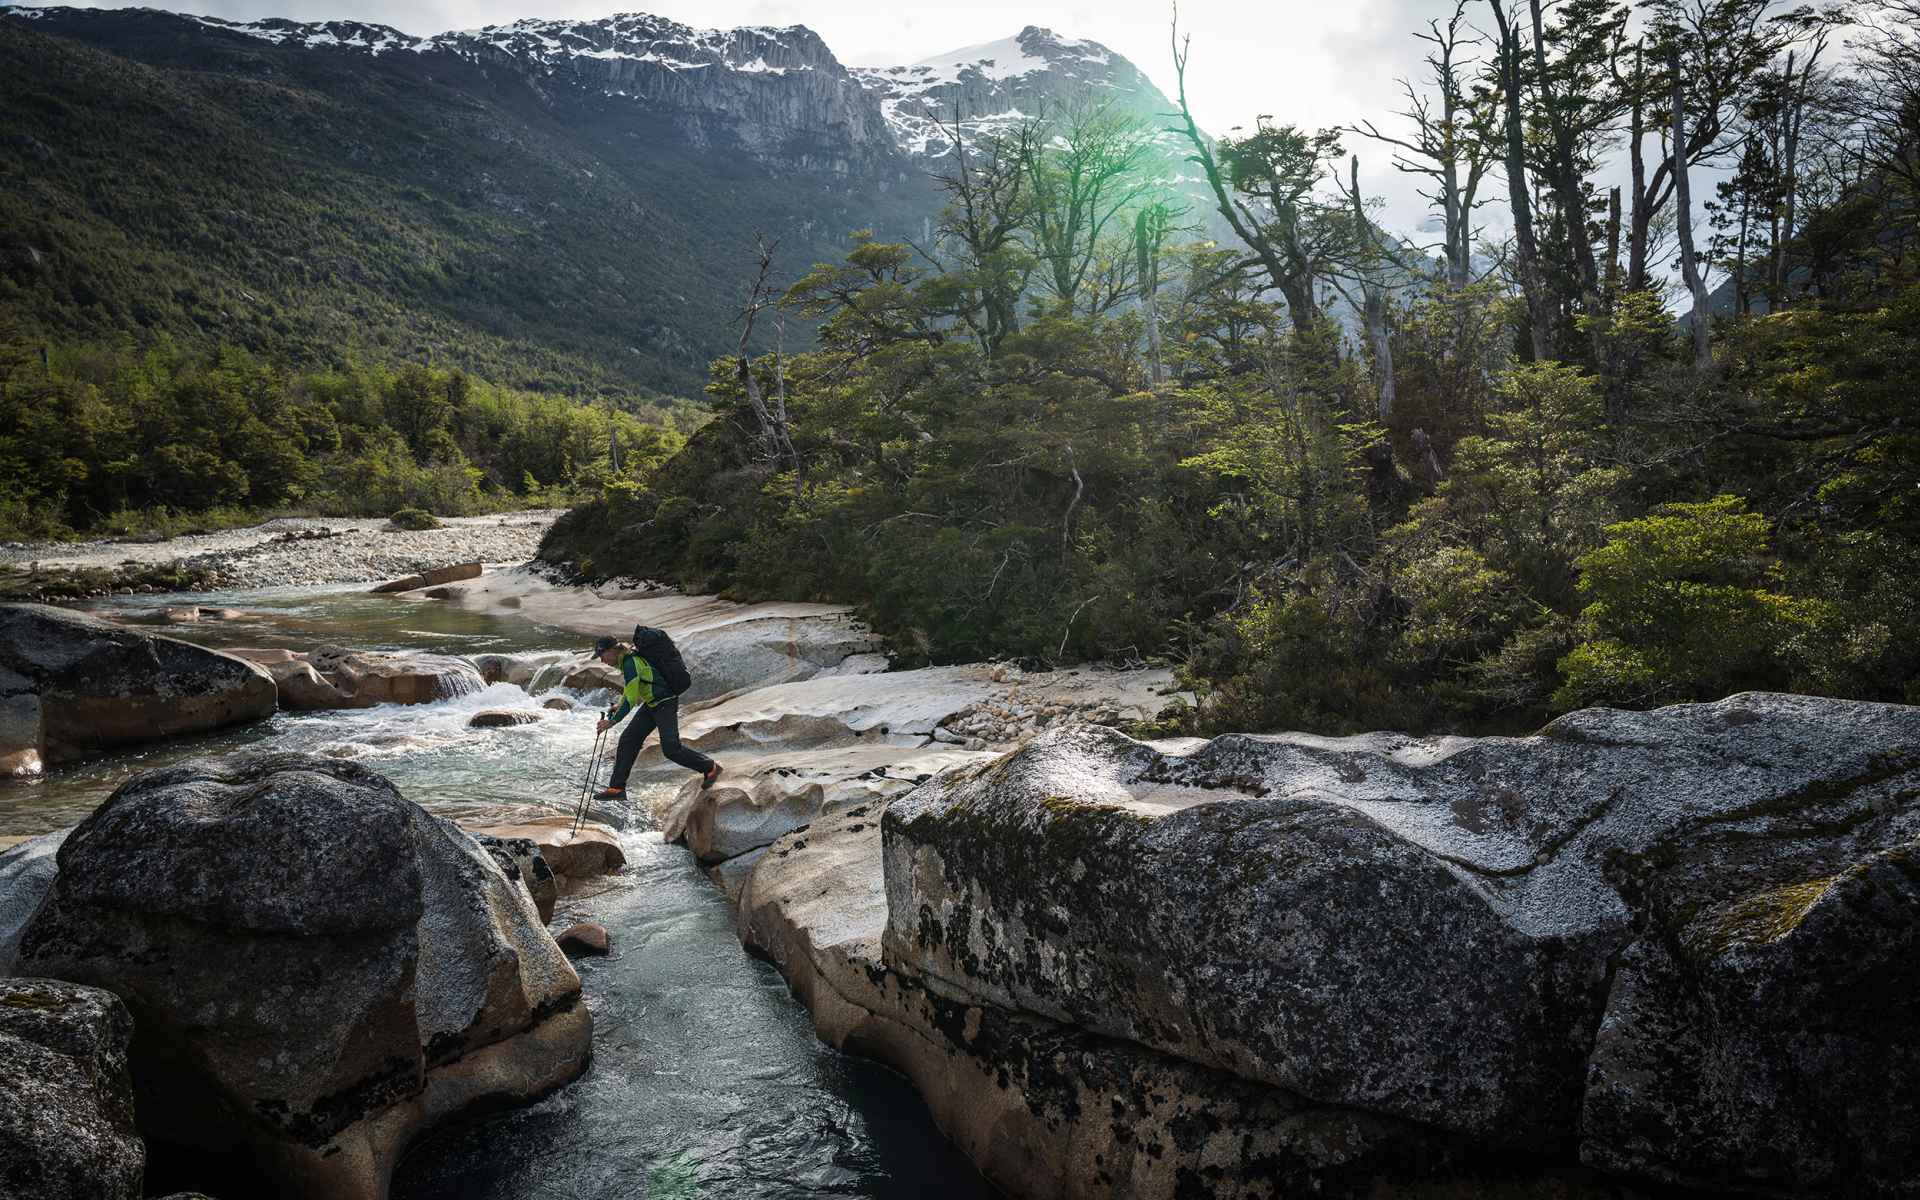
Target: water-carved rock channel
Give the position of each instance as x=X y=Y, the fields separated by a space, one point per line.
x=1633 y=954
x=707 y=1079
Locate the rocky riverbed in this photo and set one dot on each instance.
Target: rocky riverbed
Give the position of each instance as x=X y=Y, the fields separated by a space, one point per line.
x=309 y=551
x=1630 y=954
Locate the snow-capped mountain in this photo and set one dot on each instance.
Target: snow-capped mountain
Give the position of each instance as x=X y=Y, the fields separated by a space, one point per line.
x=999 y=83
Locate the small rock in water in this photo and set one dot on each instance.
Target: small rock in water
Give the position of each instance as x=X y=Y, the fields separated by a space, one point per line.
x=499 y=718
x=558 y=704
x=584 y=938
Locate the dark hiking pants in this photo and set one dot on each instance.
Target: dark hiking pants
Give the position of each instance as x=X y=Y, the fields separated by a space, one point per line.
x=666 y=718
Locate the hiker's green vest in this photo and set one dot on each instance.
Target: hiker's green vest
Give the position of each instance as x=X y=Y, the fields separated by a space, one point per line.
x=638 y=673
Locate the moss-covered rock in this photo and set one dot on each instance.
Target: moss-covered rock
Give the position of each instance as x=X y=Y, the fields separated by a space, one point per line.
x=414 y=520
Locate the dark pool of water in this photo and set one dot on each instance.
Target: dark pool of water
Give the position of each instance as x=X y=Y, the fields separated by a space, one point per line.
x=707 y=1082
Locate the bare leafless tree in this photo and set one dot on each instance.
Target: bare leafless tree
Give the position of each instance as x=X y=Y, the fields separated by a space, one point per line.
x=1690 y=269
x=988 y=207
x=1084 y=171
x=774 y=430
x=1526 y=246
x=1451 y=143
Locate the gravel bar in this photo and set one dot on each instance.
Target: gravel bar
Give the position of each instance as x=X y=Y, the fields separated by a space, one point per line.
x=308 y=551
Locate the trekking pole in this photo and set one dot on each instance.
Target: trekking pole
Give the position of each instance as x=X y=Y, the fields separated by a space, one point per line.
x=586 y=792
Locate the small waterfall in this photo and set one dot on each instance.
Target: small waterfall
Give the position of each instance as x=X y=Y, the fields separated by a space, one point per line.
x=467 y=682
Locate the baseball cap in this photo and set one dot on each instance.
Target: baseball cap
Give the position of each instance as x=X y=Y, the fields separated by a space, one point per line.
x=604 y=644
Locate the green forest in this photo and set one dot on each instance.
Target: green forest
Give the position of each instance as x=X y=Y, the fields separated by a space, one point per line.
x=111 y=439
x=1347 y=483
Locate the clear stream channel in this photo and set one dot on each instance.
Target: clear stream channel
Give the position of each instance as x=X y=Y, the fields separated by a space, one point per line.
x=707 y=1081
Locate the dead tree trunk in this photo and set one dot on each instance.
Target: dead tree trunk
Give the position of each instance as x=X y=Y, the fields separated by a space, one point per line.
x=1526 y=249
x=1374 y=299
x=1640 y=218
x=775 y=436
x=1683 y=216
x=1146 y=245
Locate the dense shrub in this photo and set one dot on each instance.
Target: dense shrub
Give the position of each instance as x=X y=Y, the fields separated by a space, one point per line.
x=414 y=519
x=1651 y=536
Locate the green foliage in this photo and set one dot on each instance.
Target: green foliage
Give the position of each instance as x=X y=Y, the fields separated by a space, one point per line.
x=115 y=440
x=44 y=585
x=1678 y=609
x=1588 y=539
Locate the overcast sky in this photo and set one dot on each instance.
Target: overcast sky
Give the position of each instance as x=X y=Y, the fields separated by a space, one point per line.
x=1311 y=64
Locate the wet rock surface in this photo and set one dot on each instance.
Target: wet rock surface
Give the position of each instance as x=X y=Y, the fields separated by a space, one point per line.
x=503 y=718
x=1678 y=944
x=575 y=855
x=366 y=678
x=729 y=647
x=584 y=938
x=66 y=1098
x=26 y=876
x=516 y=669
x=72 y=686
x=796 y=751
x=397 y=976
x=520 y=860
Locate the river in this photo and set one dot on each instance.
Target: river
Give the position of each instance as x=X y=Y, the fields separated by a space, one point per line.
x=707 y=1081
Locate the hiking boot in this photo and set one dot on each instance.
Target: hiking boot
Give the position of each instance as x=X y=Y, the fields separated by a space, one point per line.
x=712 y=773
x=610 y=793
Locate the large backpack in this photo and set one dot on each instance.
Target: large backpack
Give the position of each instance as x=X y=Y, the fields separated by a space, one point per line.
x=669 y=669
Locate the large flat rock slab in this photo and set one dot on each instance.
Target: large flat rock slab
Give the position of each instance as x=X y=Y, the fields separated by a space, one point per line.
x=727 y=646
x=1049 y=1110
x=1673 y=943
x=795 y=751
x=762 y=796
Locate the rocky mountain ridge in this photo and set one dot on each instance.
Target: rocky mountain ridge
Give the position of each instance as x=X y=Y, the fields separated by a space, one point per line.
x=766 y=77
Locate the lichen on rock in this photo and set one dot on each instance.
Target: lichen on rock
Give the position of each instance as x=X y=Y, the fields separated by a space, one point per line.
x=1683 y=944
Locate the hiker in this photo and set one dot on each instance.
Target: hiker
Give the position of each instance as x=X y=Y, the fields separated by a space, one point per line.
x=655 y=676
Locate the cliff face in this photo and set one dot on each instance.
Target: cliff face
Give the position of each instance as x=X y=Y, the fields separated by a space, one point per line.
x=777 y=95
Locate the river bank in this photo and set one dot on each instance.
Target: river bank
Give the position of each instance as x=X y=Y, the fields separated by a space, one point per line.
x=305 y=551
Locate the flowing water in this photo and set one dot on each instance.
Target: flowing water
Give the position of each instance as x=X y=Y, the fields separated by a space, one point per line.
x=707 y=1080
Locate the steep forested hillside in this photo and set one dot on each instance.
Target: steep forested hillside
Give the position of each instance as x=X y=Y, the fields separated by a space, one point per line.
x=159 y=174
